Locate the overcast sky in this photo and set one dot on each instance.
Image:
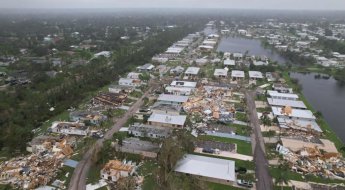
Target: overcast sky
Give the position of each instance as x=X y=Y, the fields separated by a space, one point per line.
x=235 y=4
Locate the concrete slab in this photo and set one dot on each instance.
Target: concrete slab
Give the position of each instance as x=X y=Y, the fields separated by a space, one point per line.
x=227 y=154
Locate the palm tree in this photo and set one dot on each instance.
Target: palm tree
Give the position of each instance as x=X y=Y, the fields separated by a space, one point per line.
x=281 y=178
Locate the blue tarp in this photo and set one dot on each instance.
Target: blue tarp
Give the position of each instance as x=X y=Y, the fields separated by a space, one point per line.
x=70 y=163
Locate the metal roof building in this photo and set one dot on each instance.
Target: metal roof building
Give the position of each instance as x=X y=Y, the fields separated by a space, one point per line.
x=208 y=167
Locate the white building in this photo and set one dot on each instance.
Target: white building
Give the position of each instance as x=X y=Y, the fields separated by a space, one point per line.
x=283 y=96
x=146 y=68
x=163 y=120
x=182 y=91
x=133 y=75
x=220 y=73
x=69 y=128
x=291 y=113
x=207 y=168
x=185 y=84
x=129 y=82
x=255 y=75
x=283 y=103
x=237 y=75
x=229 y=62
x=192 y=71
x=172 y=99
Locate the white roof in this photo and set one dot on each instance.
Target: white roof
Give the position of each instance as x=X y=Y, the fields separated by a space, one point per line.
x=298 y=124
x=125 y=80
x=236 y=73
x=186 y=84
x=296 y=113
x=207 y=167
x=169 y=119
x=292 y=103
x=255 y=74
x=172 y=98
x=238 y=55
x=174 y=50
x=273 y=93
x=220 y=72
x=205 y=47
x=260 y=63
x=178 y=88
x=229 y=62
x=192 y=70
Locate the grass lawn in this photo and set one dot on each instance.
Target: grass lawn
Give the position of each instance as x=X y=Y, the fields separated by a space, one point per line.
x=146 y=171
x=217 y=186
x=136 y=94
x=243 y=147
x=61 y=175
x=94 y=174
x=241 y=116
x=241 y=129
x=5 y=187
x=82 y=146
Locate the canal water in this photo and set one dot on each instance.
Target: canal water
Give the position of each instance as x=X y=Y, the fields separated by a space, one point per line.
x=253 y=46
x=326 y=96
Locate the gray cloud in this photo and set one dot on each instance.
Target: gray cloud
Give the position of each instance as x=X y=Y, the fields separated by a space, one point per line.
x=236 y=4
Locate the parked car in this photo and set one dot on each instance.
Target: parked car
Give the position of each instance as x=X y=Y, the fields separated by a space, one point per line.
x=244 y=183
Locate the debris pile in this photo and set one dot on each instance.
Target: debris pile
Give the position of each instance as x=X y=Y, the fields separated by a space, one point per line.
x=36 y=169
x=212 y=102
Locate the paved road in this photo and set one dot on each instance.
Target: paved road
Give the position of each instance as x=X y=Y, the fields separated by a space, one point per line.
x=78 y=180
x=262 y=173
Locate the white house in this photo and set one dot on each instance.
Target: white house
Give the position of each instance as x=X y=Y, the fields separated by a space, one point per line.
x=172 y=99
x=185 y=84
x=70 y=128
x=229 y=62
x=133 y=75
x=192 y=71
x=283 y=96
x=163 y=120
x=255 y=75
x=129 y=82
x=237 y=75
x=146 y=68
x=207 y=168
x=291 y=113
x=221 y=73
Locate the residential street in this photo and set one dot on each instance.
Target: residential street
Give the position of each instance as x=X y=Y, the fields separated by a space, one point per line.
x=78 y=180
x=264 y=180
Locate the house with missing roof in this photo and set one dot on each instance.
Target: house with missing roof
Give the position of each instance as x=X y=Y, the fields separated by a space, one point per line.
x=130 y=82
x=142 y=130
x=207 y=168
x=192 y=72
x=69 y=128
x=115 y=170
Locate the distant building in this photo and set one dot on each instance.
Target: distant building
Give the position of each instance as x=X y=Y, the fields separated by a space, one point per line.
x=130 y=82
x=237 y=75
x=220 y=73
x=146 y=68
